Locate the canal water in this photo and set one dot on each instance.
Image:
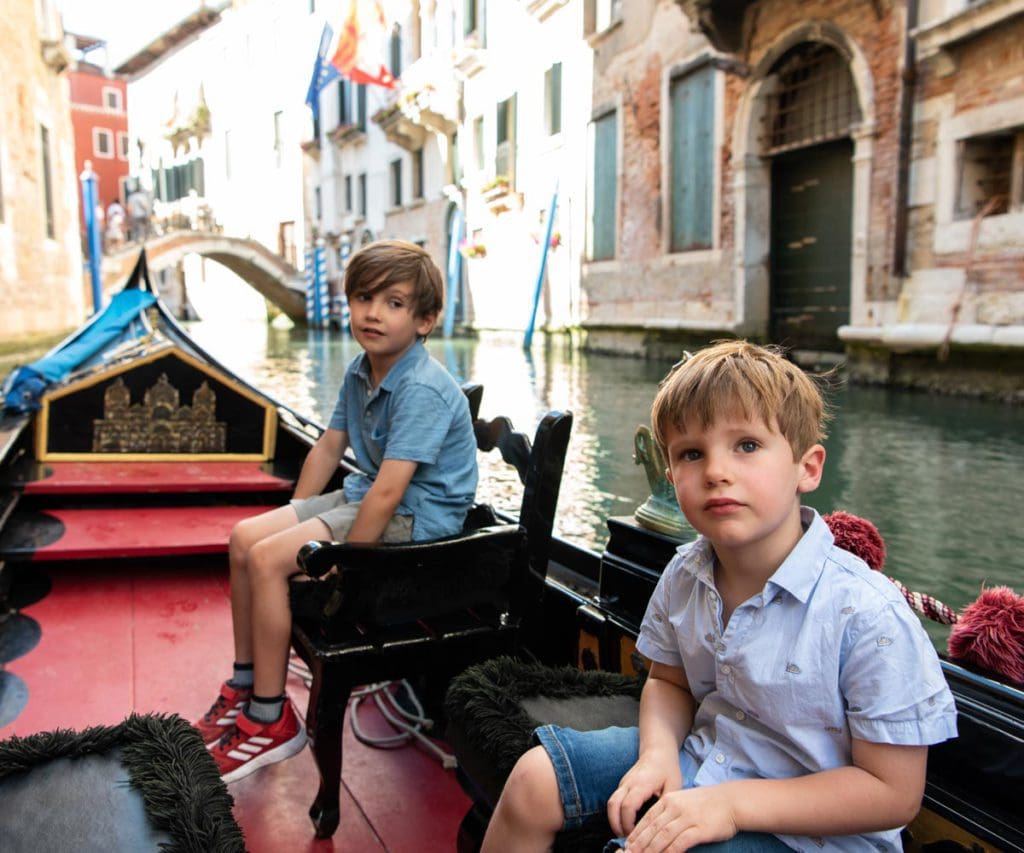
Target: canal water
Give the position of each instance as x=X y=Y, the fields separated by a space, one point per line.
x=941 y=477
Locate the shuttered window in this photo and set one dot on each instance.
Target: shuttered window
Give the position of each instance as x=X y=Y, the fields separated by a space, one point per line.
x=692 y=98
x=605 y=201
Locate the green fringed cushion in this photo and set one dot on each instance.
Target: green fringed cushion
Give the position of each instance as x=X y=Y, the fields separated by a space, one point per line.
x=145 y=784
x=492 y=709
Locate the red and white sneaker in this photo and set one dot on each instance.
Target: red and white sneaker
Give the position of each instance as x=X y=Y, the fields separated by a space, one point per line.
x=223 y=713
x=250 y=745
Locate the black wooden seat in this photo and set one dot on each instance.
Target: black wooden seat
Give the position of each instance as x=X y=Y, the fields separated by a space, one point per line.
x=425 y=608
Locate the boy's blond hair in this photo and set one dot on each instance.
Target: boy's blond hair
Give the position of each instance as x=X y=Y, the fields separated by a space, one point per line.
x=387 y=262
x=732 y=378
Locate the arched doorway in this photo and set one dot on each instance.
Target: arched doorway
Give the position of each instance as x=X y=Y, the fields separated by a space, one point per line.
x=810 y=111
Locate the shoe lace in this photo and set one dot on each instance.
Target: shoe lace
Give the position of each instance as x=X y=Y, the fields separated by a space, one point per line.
x=232 y=736
x=216 y=709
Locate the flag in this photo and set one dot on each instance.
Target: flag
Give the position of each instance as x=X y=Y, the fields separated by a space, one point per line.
x=323 y=71
x=361 y=41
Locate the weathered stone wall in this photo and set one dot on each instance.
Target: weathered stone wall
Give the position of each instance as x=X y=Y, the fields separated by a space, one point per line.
x=41 y=286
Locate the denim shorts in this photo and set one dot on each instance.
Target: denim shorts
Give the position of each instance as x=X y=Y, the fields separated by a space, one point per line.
x=339 y=515
x=589 y=766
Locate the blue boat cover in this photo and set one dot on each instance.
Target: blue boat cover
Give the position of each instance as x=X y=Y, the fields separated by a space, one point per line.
x=119 y=321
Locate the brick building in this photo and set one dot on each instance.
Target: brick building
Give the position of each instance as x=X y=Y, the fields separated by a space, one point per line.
x=810 y=173
x=41 y=286
x=99 y=116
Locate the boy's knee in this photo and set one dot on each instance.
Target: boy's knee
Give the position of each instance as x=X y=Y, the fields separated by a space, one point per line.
x=531 y=790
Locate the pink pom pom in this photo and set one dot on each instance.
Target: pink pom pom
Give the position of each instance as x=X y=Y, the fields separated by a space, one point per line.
x=990 y=633
x=858 y=536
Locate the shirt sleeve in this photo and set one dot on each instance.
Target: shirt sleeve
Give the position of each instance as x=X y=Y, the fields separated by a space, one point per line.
x=893 y=685
x=657 y=640
x=339 y=418
x=419 y=423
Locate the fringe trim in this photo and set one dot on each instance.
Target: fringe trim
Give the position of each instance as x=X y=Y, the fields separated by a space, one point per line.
x=166 y=763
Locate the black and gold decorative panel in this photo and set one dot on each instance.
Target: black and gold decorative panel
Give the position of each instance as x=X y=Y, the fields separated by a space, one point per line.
x=163 y=405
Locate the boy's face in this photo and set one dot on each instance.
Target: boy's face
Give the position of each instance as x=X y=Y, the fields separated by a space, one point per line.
x=383 y=323
x=738 y=483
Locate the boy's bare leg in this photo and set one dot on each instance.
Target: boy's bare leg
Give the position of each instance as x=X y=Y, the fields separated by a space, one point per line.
x=529 y=812
x=244 y=535
x=269 y=564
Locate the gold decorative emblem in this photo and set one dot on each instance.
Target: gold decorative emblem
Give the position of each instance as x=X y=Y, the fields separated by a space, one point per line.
x=159 y=424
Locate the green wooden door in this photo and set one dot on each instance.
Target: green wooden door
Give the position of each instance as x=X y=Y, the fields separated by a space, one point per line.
x=812 y=203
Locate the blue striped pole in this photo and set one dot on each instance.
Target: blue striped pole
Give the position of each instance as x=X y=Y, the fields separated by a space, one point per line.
x=528 y=339
x=321 y=302
x=343 y=255
x=310 y=289
x=454 y=272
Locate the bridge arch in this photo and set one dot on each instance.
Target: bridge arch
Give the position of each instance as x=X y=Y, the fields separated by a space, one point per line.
x=269 y=274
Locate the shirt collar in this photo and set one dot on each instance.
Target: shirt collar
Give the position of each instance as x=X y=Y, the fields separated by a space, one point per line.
x=410 y=358
x=798 y=573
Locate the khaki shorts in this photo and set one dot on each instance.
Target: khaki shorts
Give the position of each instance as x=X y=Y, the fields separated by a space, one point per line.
x=338 y=514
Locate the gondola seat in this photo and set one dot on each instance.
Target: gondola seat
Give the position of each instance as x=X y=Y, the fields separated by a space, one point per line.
x=492 y=709
x=428 y=609
x=145 y=784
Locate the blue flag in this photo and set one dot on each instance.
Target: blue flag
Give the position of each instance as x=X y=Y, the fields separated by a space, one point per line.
x=323 y=72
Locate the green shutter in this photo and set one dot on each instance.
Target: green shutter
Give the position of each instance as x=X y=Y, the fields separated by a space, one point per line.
x=693 y=168
x=605 y=201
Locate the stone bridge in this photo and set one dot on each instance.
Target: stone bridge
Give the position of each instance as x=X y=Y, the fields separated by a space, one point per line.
x=272 y=276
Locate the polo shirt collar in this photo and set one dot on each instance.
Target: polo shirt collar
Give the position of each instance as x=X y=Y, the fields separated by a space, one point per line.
x=798 y=573
x=413 y=356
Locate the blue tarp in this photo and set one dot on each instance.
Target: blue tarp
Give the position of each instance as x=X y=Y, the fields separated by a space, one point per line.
x=119 y=320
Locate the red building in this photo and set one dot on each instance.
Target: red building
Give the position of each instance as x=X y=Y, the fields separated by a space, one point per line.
x=99 y=115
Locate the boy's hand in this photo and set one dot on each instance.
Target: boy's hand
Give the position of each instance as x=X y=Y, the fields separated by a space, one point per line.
x=652 y=776
x=683 y=819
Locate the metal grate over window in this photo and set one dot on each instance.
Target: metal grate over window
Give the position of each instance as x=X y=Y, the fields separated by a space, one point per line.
x=813 y=99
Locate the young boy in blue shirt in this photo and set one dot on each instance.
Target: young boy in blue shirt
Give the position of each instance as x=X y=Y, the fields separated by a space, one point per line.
x=792 y=693
x=408 y=425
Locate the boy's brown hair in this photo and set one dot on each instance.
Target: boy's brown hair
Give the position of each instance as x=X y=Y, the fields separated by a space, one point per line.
x=387 y=262
x=732 y=378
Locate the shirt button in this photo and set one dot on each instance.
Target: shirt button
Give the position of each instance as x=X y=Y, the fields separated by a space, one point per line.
x=719 y=759
x=740 y=715
x=726 y=668
x=712 y=596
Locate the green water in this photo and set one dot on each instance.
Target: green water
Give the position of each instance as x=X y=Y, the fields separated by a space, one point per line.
x=941 y=477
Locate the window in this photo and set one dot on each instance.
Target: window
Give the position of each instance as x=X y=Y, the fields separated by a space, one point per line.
x=318 y=208
x=991 y=174
x=112 y=99
x=362 y=194
x=44 y=141
x=553 y=99
x=396 y=51
x=278 y=117
x=468 y=17
x=417 y=173
x=604 y=201
x=102 y=143
x=600 y=15
x=692 y=110
x=396 y=183
x=478 y=143
x=348 y=193
x=174 y=182
x=505 y=137
x=122 y=145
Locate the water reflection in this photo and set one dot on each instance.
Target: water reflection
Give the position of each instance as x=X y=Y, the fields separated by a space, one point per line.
x=938 y=476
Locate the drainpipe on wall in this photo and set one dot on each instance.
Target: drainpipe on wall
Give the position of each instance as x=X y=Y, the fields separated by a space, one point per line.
x=906 y=132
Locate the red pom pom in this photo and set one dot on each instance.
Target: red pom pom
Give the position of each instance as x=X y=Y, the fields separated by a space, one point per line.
x=858 y=536
x=990 y=633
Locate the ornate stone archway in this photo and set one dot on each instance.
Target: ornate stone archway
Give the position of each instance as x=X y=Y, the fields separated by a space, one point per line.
x=752 y=177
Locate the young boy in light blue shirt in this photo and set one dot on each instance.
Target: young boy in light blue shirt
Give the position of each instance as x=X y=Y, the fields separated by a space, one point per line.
x=408 y=425
x=792 y=693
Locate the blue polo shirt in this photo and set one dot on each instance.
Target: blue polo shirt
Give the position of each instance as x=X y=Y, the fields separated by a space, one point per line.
x=418 y=414
x=826 y=652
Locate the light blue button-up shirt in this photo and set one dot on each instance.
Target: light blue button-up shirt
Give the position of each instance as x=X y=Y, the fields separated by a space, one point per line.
x=828 y=651
x=418 y=414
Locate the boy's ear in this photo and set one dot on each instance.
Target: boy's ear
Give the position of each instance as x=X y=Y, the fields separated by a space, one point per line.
x=812 y=465
x=425 y=324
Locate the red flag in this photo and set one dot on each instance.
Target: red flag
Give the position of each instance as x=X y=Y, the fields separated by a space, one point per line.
x=361 y=44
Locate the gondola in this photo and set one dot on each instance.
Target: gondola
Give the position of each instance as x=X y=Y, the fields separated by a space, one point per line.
x=125 y=458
